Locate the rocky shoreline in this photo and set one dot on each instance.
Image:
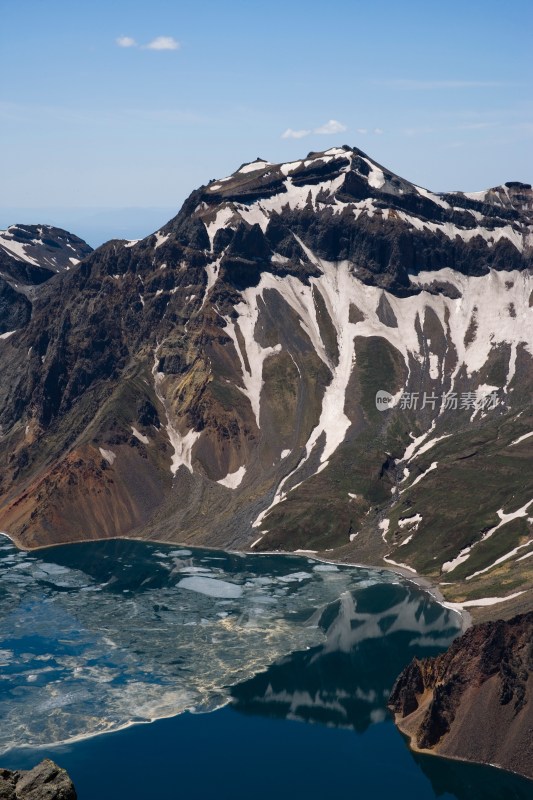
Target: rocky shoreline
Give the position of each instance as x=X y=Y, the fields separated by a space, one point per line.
x=474 y=701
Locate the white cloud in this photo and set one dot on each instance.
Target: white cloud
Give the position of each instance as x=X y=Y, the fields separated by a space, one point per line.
x=361 y=130
x=163 y=43
x=331 y=127
x=126 y=41
x=290 y=134
x=328 y=129
x=377 y=131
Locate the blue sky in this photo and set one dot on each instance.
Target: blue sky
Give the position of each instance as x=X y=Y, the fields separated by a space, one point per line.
x=440 y=93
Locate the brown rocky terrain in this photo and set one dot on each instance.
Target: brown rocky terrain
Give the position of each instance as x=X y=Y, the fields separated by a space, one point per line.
x=475 y=701
x=46 y=781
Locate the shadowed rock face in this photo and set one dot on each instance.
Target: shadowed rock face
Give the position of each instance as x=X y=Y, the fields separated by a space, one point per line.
x=475 y=701
x=215 y=382
x=46 y=781
x=29 y=256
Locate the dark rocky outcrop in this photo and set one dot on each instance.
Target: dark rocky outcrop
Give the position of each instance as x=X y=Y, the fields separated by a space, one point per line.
x=46 y=781
x=30 y=255
x=475 y=701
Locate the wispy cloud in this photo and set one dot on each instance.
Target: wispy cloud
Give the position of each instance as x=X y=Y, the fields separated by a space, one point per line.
x=409 y=84
x=159 y=43
x=126 y=41
x=290 y=134
x=329 y=128
x=163 y=43
x=476 y=126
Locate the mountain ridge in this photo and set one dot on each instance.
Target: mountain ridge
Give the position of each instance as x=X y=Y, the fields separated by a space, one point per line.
x=215 y=382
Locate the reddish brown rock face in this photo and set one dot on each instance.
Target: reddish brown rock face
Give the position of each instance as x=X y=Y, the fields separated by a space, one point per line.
x=475 y=701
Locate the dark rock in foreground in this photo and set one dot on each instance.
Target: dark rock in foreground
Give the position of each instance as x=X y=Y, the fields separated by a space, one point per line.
x=475 y=701
x=46 y=781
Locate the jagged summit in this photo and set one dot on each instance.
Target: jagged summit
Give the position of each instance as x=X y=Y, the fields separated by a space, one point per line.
x=352 y=208
x=262 y=206
x=347 y=176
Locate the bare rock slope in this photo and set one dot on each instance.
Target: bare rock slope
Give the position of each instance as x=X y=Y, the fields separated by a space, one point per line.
x=474 y=702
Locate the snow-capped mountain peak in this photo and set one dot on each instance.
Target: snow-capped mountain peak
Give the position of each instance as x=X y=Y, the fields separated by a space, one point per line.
x=220 y=376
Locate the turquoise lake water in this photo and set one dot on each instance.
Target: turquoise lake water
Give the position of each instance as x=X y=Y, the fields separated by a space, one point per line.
x=260 y=676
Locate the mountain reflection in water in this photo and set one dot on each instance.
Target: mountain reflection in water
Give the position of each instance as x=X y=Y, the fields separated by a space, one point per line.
x=370 y=636
x=97 y=636
x=346 y=681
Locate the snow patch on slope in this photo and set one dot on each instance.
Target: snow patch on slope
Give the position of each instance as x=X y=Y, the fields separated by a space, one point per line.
x=423 y=474
x=293 y=197
x=520 y=438
x=221 y=220
x=253 y=167
x=383 y=525
x=464 y=555
x=487 y=297
x=481 y=602
x=181 y=444
x=15 y=249
x=160 y=239
x=140 y=436
x=233 y=479
x=501 y=560
x=108 y=455
x=433 y=197
x=254 y=355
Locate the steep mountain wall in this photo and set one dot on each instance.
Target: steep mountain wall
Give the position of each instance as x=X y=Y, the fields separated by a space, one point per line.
x=216 y=382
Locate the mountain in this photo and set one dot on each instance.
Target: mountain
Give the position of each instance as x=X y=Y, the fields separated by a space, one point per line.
x=29 y=256
x=474 y=701
x=216 y=382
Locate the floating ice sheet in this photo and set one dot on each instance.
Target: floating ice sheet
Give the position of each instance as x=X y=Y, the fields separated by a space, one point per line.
x=99 y=636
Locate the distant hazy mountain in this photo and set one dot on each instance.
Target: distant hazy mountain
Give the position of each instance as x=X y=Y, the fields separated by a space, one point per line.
x=95 y=225
x=29 y=256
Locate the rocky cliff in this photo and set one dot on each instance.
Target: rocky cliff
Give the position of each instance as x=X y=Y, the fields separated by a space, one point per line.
x=475 y=701
x=215 y=383
x=29 y=256
x=46 y=781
